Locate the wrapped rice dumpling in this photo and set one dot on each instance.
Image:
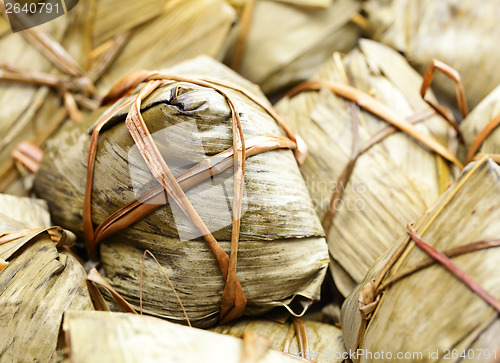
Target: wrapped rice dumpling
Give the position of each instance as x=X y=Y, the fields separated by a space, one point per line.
x=462 y=34
x=84 y=52
x=312 y=340
x=436 y=292
x=88 y=337
x=281 y=256
x=276 y=56
x=367 y=180
x=480 y=128
x=29 y=111
x=39 y=280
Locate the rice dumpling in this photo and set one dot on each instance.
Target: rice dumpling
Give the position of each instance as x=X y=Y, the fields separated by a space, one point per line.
x=436 y=292
x=193 y=125
x=365 y=178
x=40 y=280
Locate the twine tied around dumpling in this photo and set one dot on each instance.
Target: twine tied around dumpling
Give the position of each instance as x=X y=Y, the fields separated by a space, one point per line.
x=233 y=297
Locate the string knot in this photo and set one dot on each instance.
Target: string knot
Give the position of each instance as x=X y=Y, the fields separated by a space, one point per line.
x=368 y=301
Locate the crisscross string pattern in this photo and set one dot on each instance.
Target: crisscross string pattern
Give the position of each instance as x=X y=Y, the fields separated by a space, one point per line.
x=233 y=298
x=75 y=86
x=372 y=293
x=385 y=113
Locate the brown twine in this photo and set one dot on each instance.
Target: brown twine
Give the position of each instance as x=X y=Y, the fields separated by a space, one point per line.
x=147 y=252
x=297 y=328
x=288 y=339
x=481 y=137
x=379 y=109
x=246 y=19
x=74 y=82
x=370 y=296
x=385 y=113
x=459 y=89
x=301 y=332
x=372 y=293
x=454 y=252
x=95 y=279
x=446 y=262
x=76 y=88
x=233 y=298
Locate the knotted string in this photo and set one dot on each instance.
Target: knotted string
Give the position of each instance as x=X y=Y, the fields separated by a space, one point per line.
x=233 y=298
